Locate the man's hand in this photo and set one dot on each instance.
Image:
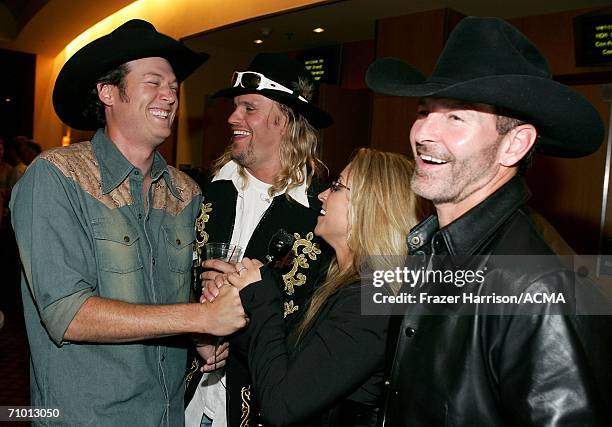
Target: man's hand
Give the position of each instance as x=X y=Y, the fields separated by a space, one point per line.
x=212 y=351
x=106 y=320
x=225 y=315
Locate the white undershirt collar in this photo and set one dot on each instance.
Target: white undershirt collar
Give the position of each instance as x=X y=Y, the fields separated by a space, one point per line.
x=230 y=172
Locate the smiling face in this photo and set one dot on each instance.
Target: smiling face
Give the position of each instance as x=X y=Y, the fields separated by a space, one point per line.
x=257 y=129
x=456 y=149
x=144 y=115
x=333 y=225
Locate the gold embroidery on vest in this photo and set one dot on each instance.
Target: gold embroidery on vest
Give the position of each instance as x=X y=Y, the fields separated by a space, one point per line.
x=200 y=224
x=191 y=371
x=290 y=308
x=310 y=249
x=245 y=395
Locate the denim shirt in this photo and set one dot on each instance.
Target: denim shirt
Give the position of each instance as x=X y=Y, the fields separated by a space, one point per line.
x=83 y=230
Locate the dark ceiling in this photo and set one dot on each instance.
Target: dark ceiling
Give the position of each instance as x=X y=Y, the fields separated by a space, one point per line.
x=23 y=11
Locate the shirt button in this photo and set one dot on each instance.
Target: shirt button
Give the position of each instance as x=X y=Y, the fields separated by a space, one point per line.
x=409 y=332
x=136 y=172
x=126 y=239
x=178 y=241
x=153 y=261
x=139 y=216
x=438 y=244
x=387 y=382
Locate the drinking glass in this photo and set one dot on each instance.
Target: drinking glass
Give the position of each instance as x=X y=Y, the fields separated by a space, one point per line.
x=225 y=251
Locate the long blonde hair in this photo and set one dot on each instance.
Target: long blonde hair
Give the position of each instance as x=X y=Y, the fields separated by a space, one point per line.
x=299 y=148
x=382 y=210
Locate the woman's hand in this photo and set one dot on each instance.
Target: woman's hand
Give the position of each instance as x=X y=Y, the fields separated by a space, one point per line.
x=210 y=287
x=247 y=272
x=214 y=277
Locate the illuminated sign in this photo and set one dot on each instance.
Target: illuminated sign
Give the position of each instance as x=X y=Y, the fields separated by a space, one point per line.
x=593 y=38
x=316 y=67
x=323 y=63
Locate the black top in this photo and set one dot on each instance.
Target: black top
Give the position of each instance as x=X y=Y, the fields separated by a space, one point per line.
x=337 y=364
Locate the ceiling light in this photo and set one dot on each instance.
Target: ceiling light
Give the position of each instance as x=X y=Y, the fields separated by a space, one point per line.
x=258 y=41
x=318 y=30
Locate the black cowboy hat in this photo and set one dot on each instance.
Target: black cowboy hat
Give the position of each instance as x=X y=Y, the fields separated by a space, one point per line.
x=135 y=39
x=486 y=60
x=286 y=71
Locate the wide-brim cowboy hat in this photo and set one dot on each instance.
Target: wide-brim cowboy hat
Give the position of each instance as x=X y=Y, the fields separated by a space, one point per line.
x=488 y=61
x=286 y=71
x=133 y=40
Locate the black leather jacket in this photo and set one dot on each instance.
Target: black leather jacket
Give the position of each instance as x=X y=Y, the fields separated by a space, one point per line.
x=479 y=370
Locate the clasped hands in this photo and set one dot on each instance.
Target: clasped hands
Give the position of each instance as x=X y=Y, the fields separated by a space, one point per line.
x=218 y=274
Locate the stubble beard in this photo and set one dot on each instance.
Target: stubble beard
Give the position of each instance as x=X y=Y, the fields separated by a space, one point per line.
x=454 y=186
x=432 y=189
x=245 y=157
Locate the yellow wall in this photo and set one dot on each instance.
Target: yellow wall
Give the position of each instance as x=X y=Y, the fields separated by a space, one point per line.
x=178 y=19
x=47 y=127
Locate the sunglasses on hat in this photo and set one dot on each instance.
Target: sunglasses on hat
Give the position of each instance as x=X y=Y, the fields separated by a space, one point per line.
x=257 y=81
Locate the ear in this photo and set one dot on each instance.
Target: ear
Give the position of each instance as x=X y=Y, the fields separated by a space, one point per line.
x=516 y=144
x=283 y=125
x=282 y=121
x=279 y=119
x=105 y=93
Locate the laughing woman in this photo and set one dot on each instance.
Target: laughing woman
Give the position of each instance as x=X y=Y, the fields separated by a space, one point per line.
x=329 y=371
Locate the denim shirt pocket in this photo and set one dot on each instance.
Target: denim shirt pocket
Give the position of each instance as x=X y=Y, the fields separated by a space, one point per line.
x=116 y=245
x=179 y=241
